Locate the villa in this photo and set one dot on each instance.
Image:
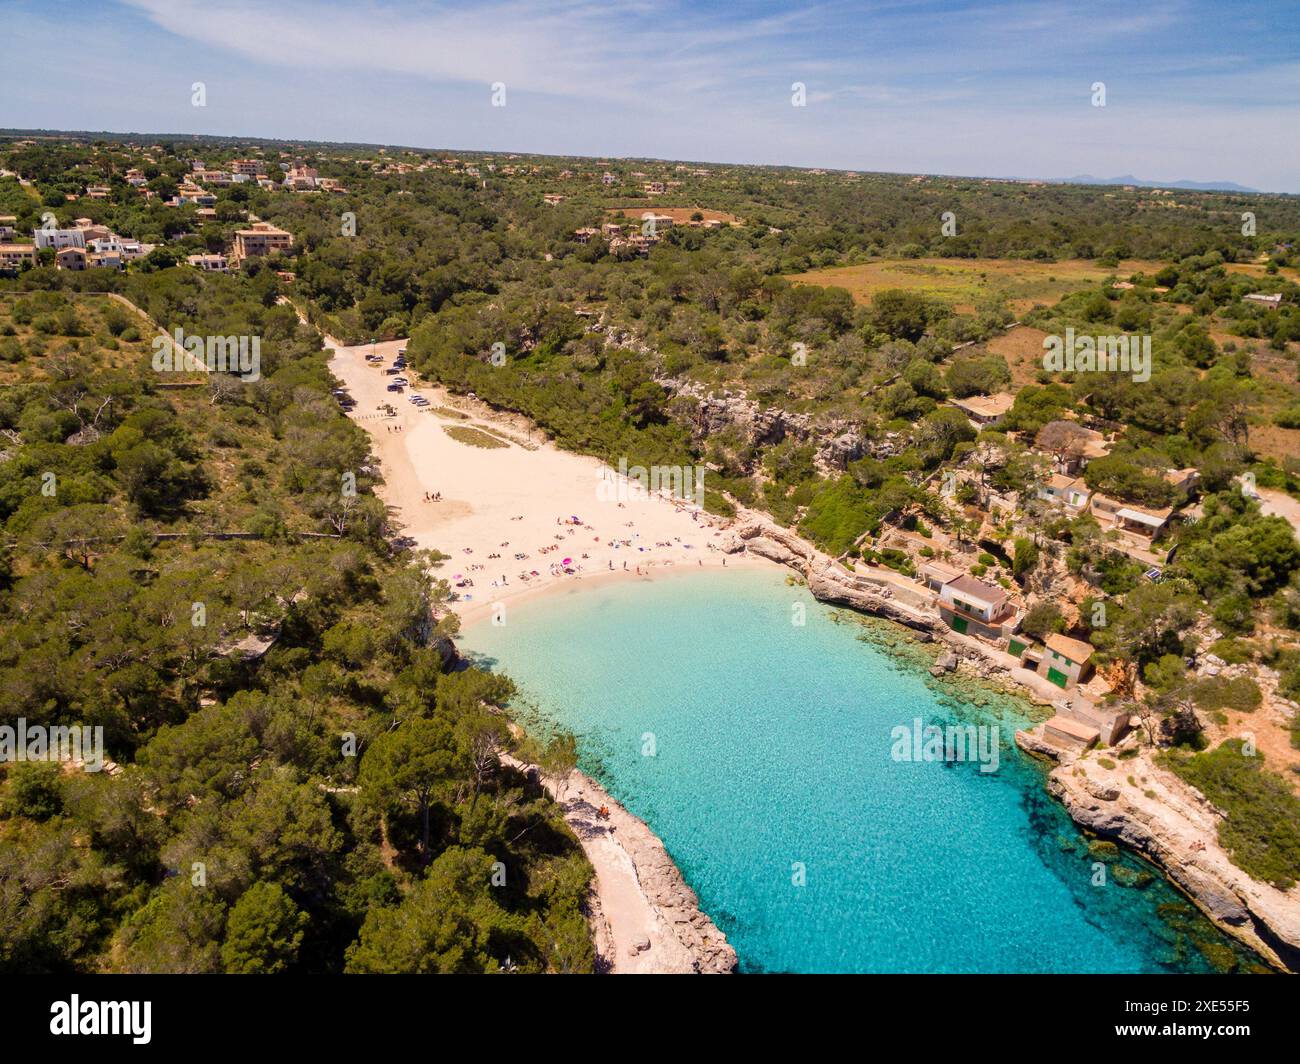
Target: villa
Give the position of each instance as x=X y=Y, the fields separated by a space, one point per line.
x=209 y=263
x=970 y=606
x=985 y=411
x=1070 y=492
x=1071 y=454
x=1183 y=480
x=70 y=258
x=192 y=194
x=1141 y=522
x=301 y=178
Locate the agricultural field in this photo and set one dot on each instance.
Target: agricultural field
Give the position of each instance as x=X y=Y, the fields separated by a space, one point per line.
x=965 y=283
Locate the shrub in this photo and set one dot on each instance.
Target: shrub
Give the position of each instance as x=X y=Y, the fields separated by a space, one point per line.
x=1261 y=831
x=1240 y=693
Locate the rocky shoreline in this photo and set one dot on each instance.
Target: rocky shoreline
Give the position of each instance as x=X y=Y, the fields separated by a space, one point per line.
x=1136 y=802
x=1153 y=812
x=645 y=919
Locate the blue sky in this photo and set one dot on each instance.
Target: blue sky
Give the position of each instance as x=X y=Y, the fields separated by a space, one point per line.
x=1194 y=90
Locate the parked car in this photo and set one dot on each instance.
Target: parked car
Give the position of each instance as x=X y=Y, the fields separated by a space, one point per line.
x=396 y=388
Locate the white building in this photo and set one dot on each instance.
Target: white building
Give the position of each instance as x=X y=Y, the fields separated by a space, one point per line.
x=59 y=238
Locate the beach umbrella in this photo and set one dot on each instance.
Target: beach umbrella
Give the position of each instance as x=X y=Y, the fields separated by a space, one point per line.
x=567 y=561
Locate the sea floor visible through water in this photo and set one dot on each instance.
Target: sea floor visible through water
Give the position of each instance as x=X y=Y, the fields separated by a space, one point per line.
x=771 y=742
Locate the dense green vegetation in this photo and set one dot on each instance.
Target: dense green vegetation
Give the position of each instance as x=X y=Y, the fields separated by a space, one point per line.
x=299 y=778
x=829 y=412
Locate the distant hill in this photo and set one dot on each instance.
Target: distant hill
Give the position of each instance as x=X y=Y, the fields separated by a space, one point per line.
x=1129 y=179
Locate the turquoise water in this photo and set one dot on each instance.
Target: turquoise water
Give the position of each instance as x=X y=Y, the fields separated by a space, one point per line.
x=772 y=755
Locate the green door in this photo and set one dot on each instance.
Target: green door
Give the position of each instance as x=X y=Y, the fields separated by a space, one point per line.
x=1015 y=648
x=1057 y=677
x=960 y=624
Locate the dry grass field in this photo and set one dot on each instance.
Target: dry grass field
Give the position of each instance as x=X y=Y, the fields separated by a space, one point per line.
x=1256 y=269
x=1022 y=348
x=963 y=282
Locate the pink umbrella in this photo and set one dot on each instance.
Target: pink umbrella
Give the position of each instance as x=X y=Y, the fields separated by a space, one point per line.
x=566 y=561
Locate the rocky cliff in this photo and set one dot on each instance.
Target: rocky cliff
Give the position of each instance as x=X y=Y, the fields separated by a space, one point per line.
x=838 y=441
x=1152 y=811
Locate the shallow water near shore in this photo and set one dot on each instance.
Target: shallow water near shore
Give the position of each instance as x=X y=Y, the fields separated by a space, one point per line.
x=776 y=782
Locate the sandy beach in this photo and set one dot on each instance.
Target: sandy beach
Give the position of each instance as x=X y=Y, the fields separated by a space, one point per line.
x=487 y=506
x=522 y=518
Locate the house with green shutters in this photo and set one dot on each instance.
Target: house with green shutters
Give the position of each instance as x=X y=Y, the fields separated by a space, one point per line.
x=973 y=607
x=1066 y=662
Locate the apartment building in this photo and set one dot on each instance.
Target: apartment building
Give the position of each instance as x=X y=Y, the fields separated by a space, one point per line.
x=262 y=239
x=12 y=256
x=59 y=238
